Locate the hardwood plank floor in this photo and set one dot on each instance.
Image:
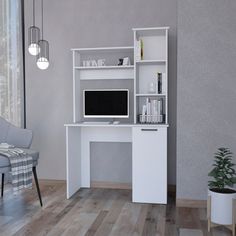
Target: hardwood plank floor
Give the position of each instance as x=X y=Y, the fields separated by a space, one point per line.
x=96 y=212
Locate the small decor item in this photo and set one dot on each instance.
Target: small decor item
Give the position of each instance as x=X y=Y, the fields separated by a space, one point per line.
x=126 y=61
x=86 y=63
x=152 y=87
x=152 y=112
x=101 y=62
x=120 y=63
x=221 y=207
x=94 y=63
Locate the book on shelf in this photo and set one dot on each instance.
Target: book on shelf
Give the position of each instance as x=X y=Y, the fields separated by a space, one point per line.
x=139 y=50
x=161 y=83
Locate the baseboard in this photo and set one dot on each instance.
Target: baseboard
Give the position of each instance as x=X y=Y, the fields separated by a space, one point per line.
x=112 y=185
x=191 y=203
x=104 y=184
x=115 y=185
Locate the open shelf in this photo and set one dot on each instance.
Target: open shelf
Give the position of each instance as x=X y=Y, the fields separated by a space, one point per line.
x=103 y=67
x=151 y=62
x=105 y=49
x=150 y=95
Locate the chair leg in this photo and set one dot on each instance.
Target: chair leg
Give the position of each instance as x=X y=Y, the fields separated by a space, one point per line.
x=2 y=187
x=37 y=185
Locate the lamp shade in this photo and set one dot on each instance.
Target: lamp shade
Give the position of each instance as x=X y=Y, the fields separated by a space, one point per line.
x=43 y=55
x=34 y=34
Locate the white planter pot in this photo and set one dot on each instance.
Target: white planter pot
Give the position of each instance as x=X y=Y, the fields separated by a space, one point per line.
x=222 y=207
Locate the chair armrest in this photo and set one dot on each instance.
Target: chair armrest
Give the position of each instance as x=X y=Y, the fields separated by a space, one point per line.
x=19 y=137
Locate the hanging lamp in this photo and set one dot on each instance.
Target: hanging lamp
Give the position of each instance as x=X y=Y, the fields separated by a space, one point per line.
x=33 y=34
x=43 y=56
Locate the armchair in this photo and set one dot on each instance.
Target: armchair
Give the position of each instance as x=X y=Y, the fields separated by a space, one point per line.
x=21 y=138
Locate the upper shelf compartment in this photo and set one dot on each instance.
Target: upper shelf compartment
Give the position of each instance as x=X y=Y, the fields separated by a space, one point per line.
x=104 y=63
x=103 y=57
x=151 y=44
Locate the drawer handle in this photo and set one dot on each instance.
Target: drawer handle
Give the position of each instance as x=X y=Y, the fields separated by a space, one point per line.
x=149 y=129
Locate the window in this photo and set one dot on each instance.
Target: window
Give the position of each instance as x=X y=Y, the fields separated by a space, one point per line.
x=11 y=62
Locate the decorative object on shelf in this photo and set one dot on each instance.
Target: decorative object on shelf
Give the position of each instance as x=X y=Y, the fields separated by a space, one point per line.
x=222 y=198
x=101 y=62
x=120 y=63
x=152 y=111
x=86 y=63
x=43 y=55
x=94 y=63
x=126 y=61
x=33 y=35
x=152 y=87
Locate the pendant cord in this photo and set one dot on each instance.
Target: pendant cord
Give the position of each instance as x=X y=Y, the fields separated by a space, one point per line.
x=42 y=18
x=33 y=12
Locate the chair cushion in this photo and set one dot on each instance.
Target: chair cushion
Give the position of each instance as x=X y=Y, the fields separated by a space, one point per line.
x=4 y=161
x=18 y=137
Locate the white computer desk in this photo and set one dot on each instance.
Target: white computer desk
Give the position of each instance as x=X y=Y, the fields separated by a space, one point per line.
x=149 y=156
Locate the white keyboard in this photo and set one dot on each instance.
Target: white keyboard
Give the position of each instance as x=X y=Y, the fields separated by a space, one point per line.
x=96 y=122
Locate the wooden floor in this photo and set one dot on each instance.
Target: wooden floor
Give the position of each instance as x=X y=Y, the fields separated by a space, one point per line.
x=97 y=212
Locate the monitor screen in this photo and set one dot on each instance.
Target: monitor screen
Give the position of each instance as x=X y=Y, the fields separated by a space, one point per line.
x=107 y=103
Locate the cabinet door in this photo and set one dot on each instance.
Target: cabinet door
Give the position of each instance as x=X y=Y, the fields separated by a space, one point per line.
x=149 y=167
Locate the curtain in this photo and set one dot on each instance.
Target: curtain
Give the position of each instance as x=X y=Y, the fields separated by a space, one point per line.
x=11 y=62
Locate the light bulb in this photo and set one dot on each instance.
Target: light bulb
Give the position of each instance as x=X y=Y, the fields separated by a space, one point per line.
x=34 y=49
x=43 y=63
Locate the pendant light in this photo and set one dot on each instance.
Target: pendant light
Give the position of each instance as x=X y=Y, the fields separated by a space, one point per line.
x=43 y=56
x=33 y=33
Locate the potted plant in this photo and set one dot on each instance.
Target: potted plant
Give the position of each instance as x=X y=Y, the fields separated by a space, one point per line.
x=221 y=187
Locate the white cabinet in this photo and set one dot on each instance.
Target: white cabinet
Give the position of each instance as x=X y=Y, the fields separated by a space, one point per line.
x=149 y=164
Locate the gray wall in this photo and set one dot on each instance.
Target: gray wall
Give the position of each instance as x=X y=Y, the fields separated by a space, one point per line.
x=90 y=23
x=206 y=90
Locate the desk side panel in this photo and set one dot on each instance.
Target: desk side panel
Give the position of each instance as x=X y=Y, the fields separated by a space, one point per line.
x=73 y=160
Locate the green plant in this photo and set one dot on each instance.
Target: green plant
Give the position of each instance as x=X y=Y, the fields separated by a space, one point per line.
x=223 y=172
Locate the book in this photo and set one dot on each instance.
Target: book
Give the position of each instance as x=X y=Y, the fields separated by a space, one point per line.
x=164 y=83
x=159 y=83
x=141 y=49
x=138 y=50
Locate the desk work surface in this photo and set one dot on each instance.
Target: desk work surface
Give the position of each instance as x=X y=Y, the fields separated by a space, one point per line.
x=103 y=124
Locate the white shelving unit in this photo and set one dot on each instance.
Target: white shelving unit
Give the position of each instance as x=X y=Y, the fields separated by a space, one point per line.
x=155 y=60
